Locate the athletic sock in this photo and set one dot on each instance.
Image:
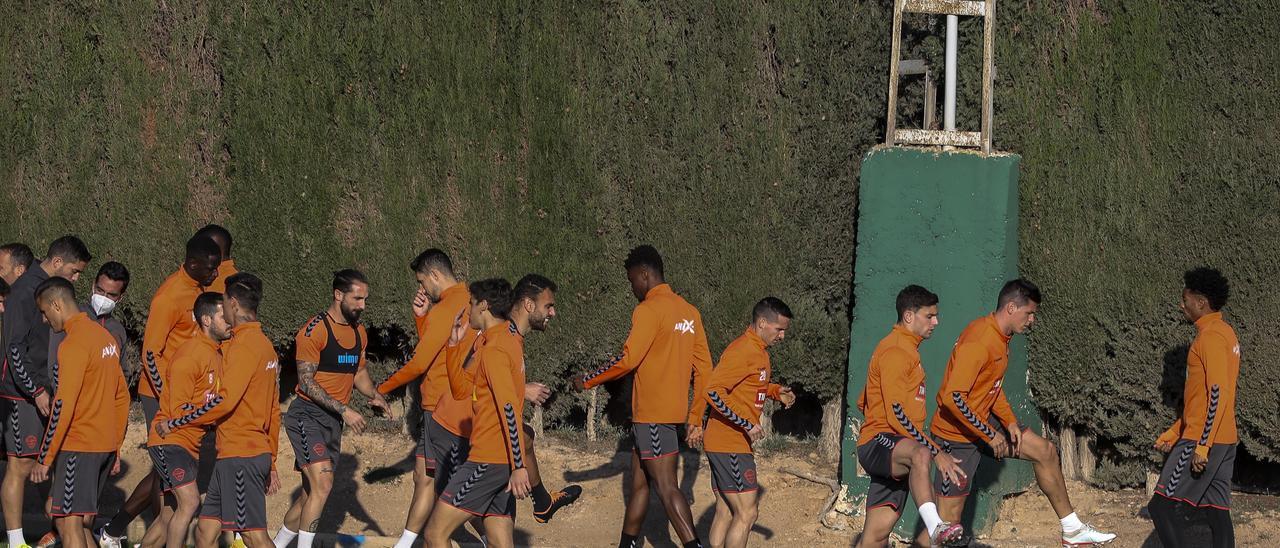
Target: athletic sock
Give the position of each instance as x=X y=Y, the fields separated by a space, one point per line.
x=929 y=513
x=541 y=498
x=406 y=539
x=628 y=541
x=15 y=538
x=695 y=543
x=284 y=537
x=119 y=524
x=1071 y=523
x=305 y=538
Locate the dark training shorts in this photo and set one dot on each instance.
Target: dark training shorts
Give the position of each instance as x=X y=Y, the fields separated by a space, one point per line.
x=150 y=406
x=655 y=441
x=1210 y=488
x=78 y=480
x=451 y=451
x=876 y=457
x=23 y=430
x=175 y=466
x=237 y=495
x=733 y=472
x=480 y=489
x=314 y=433
x=970 y=455
x=423 y=449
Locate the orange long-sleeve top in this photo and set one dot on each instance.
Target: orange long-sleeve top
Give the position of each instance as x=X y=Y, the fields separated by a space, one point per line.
x=497 y=432
x=226 y=269
x=453 y=411
x=737 y=390
x=893 y=400
x=667 y=343
x=170 y=322
x=247 y=408
x=90 y=408
x=429 y=355
x=337 y=379
x=971 y=387
x=191 y=382
x=1209 y=394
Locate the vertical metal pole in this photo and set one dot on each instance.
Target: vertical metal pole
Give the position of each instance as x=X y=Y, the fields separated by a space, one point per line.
x=949 y=91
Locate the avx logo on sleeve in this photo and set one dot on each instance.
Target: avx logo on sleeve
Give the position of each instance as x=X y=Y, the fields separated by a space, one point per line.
x=685 y=326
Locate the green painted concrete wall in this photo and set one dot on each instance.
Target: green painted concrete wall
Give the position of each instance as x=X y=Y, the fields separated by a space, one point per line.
x=947 y=221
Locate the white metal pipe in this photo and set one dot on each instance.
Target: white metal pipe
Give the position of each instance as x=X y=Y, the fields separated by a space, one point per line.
x=949 y=92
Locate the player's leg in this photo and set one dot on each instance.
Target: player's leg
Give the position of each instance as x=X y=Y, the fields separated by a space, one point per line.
x=1043 y=455
x=745 y=509
x=877 y=526
x=424 y=488
x=158 y=531
x=637 y=502
x=69 y=531
x=22 y=433
x=499 y=531
x=913 y=460
x=12 y=492
x=444 y=521
x=545 y=504
x=187 y=501
x=662 y=472
x=320 y=480
x=721 y=521
x=292 y=522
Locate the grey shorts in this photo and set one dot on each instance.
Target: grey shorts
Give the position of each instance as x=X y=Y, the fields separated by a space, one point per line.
x=876 y=457
x=655 y=441
x=450 y=449
x=733 y=472
x=23 y=429
x=237 y=495
x=150 y=407
x=423 y=449
x=480 y=489
x=78 y=480
x=1211 y=488
x=315 y=434
x=970 y=455
x=175 y=466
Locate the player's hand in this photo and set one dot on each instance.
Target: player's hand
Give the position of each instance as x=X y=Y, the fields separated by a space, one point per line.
x=787 y=396
x=536 y=392
x=115 y=467
x=1015 y=439
x=949 y=467
x=163 y=428
x=755 y=433
x=380 y=403
x=579 y=384
x=1164 y=446
x=421 y=304
x=353 y=419
x=1198 y=462
x=693 y=435
x=518 y=485
x=39 y=473
x=459 y=331
x=273 y=483
x=999 y=446
x=42 y=404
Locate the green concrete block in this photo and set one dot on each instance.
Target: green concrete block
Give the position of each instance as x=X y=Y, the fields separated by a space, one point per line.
x=947 y=221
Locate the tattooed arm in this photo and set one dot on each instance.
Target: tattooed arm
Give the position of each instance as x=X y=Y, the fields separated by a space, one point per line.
x=317 y=394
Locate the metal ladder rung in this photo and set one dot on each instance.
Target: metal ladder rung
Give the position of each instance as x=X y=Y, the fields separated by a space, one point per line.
x=934 y=137
x=971 y=8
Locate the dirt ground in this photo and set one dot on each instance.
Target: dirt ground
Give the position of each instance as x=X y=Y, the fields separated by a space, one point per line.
x=789 y=505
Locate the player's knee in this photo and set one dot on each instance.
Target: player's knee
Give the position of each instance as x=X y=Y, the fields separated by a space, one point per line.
x=747 y=516
x=921 y=456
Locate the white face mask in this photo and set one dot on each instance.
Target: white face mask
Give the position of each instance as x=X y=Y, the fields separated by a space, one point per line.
x=101 y=304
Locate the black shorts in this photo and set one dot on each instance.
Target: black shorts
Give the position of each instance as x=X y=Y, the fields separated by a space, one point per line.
x=237 y=495
x=175 y=465
x=23 y=429
x=78 y=480
x=423 y=449
x=970 y=455
x=314 y=433
x=733 y=472
x=451 y=451
x=480 y=489
x=1210 y=488
x=655 y=441
x=150 y=407
x=876 y=458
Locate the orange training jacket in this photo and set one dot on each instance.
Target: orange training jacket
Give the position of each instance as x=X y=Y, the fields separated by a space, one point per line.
x=497 y=432
x=90 y=407
x=170 y=322
x=1209 y=395
x=736 y=391
x=453 y=411
x=971 y=391
x=433 y=336
x=191 y=383
x=893 y=400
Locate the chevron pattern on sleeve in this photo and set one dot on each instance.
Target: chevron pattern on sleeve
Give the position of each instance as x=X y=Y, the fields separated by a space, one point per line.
x=20 y=370
x=513 y=435
x=906 y=423
x=970 y=416
x=612 y=362
x=183 y=420
x=1211 y=415
x=724 y=410
x=154 y=372
x=55 y=416
x=311 y=326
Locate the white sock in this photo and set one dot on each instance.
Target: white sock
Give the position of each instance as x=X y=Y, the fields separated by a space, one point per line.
x=284 y=537
x=15 y=537
x=305 y=538
x=1071 y=523
x=929 y=513
x=406 y=539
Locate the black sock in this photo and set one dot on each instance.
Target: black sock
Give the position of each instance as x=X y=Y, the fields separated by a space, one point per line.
x=695 y=543
x=541 y=499
x=1165 y=518
x=1224 y=534
x=629 y=541
x=119 y=524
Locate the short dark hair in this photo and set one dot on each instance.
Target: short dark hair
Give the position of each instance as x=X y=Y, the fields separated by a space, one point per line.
x=1018 y=291
x=770 y=308
x=202 y=247
x=644 y=256
x=530 y=286
x=19 y=254
x=206 y=304
x=4 y=288
x=432 y=259
x=70 y=249
x=914 y=297
x=347 y=277
x=246 y=289
x=220 y=236
x=55 y=287
x=1209 y=283
x=496 y=292
x=115 y=272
